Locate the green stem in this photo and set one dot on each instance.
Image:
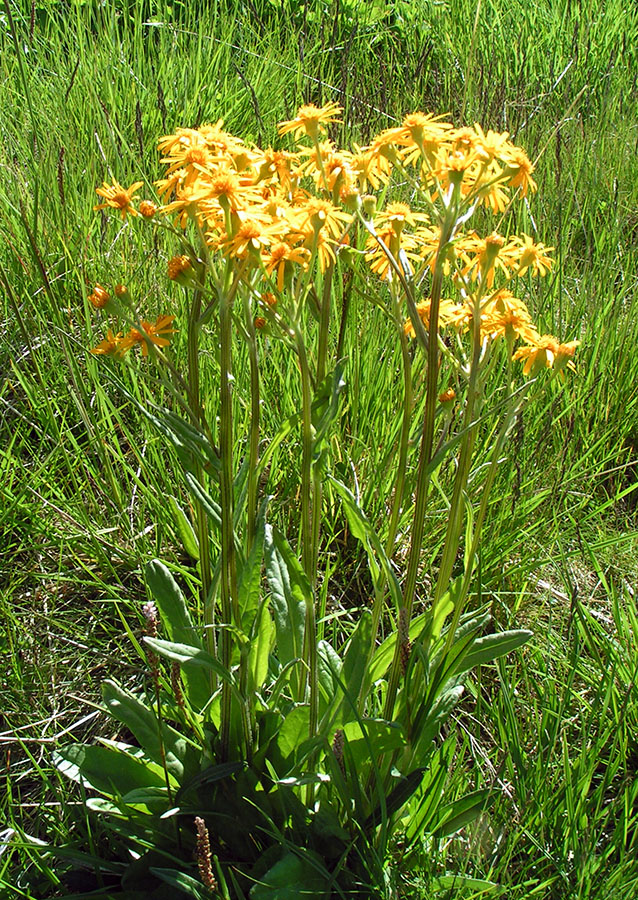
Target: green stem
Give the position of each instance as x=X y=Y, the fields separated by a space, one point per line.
x=399 y=483
x=478 y=525
x=253 y=460
x=322 y=359
x=201 y=523
x=308 y=553
x=229 y=603
x=455 y=515
x=306 y=455
x=425 y=457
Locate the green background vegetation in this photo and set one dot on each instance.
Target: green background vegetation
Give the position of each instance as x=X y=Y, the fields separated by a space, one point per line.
x=84 y=98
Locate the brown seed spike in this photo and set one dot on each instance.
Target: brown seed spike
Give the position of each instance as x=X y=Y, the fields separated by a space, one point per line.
x=203 y=855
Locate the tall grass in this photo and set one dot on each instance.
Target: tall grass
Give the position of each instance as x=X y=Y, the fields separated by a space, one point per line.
x=85 y=91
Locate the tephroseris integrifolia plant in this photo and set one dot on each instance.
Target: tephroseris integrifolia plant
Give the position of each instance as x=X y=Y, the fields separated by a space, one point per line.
x=271 y=226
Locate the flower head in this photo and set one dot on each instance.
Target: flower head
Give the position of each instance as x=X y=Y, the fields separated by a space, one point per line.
x=533 y=256
x=282 y=254
x=156 y=332
x=110 y=346
x=178 y=266
x=446 y=315
x=147 y=209
x=118 y=197
x=519 y=168
x=422 y=133
x=539 y=354
x=100 y=297
x=310 y=120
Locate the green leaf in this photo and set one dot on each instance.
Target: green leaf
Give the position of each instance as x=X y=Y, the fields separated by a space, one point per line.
x=291 y=592
x=174 y=612
x=209 y=776
x=325 y=409
x=329 y=667
x=352 y=673
x=364 y=532
x=107 y=770
x=292 y=878
x=249 y=588
x=397 y=798
x=184 y=528
x=260 y=646
x=456 y=882
x=184 y=883
x=189 y=656
x=380 y=735
x=383 y=655
x=491 y=646
x=454 y=816
x=293 y=731
x=423 y=809
x=178 y=624
x=211 y=507
x=427 y=723
x=190 y=444
x=142 y=722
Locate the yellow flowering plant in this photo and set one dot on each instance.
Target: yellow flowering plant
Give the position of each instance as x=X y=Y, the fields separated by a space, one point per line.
x=300 y=759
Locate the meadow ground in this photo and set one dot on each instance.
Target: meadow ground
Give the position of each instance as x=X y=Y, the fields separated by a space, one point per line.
x=86 y=91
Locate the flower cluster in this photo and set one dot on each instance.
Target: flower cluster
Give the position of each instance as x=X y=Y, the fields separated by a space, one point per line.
x=155 y=333
x=277 y=213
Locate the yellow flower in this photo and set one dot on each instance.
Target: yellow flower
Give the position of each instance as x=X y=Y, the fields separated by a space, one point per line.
x=370 y=167
x=148 y=209
x=398 y=214
x=446 y=315
x=153 y=332
x=320 y=215
x=177 y=266
x=447 y=397
x=172 y=184
x=540 y=353
x=279 y=255
x=564 y=356
x=276 y=164
x=519 y=168
x=230 y=190
x=488 y=254
x=310 y=120
x=110 y=346
x=100 y=297
x=219 y=141
x=118 y=198
x=250 y=235
x=491 y=145
x=398 y=244
x=533 y=256
x=504 y=315
x=423 y=132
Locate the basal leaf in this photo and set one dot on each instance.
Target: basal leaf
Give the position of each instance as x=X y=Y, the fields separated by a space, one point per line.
x=107 y=770
x=184 y=528
x=142 y=722
x=189 y=656
x=454 y=816
x=491 y=646
x=290 y=591
x=292 y=878
x=364 y=532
